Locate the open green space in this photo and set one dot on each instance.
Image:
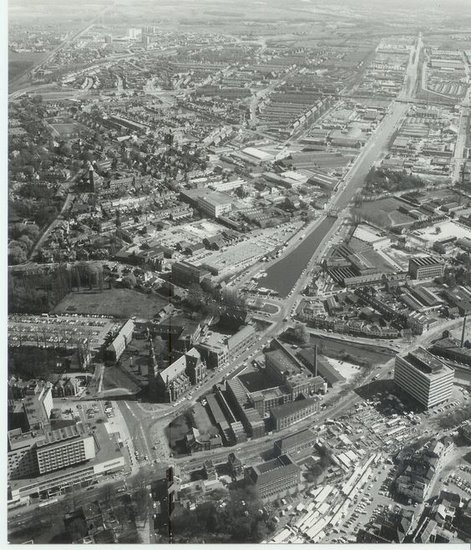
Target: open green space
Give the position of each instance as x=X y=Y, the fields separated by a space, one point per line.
x=118 y=302
x=18 y=63
x=115 y=378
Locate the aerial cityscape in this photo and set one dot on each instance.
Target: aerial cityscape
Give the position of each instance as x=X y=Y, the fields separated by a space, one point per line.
x=239 y=271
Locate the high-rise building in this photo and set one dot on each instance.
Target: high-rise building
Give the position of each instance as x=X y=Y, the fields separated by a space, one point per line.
x=424 y=377
x=64 y=447
x=275 y=478
x=37 y=453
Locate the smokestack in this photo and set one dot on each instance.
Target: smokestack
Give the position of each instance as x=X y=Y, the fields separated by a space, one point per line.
x=315 y=360
x=463 y=331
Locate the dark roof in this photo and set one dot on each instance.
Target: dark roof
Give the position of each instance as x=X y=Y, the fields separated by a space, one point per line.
x=290 y=408
x=292 y=441
x=270 y=471
x=215 y=409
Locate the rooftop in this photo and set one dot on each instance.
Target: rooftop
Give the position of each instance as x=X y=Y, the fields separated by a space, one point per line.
x=62 y=434
x=292 y=441
x=426 y=362
x=290 y=408
x=240 y=336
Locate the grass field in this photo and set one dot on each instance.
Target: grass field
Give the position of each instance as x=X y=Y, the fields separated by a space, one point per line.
x=385 y=212
x=115 y=378
x=18 y=63
x=119 y=302
x=65 y=129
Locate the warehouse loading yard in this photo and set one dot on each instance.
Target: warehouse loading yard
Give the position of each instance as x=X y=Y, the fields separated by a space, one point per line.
x=239 y=274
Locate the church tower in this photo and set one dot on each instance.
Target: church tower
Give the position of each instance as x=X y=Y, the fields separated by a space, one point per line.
x=152 y=370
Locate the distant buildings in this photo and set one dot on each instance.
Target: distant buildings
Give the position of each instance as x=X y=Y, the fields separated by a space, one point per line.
x=275 y=478
x=424 y=377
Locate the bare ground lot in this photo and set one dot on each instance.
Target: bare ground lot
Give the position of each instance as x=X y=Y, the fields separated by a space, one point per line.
x=118 y=380
x=118 y=302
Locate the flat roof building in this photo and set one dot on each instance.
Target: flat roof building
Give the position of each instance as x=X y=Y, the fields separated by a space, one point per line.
x=296 y=443
x=72 y=468
x=427 y=267
x=424 y=377
x=275 y=478
x=184 y=273
x=215 y=204
x=290 y=413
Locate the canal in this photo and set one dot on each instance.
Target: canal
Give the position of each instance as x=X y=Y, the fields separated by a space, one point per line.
x=283 y=275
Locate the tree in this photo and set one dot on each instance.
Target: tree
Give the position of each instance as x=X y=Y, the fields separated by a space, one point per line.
x=129 y=280
x=196 y=296
x=142 y=503
x=300 y=334
x=16 y=253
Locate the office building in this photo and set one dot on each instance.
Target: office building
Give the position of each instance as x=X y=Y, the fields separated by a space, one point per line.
x=274 y=479
x=290 y=413
x=424 y=377
x=68 y=459
x=64 y=447
x=215 y=204
x=241 y=340
x=427 y=267
x=41 y=452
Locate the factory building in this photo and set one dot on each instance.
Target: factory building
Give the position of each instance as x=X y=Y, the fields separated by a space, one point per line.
x=427 y=267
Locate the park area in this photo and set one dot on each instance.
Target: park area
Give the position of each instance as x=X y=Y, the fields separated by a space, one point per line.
x=118 y=302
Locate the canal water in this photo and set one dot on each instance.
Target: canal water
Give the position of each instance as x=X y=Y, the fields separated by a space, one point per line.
x=283 y=275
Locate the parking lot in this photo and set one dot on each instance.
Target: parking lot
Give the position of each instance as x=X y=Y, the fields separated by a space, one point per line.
x=356 y=489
